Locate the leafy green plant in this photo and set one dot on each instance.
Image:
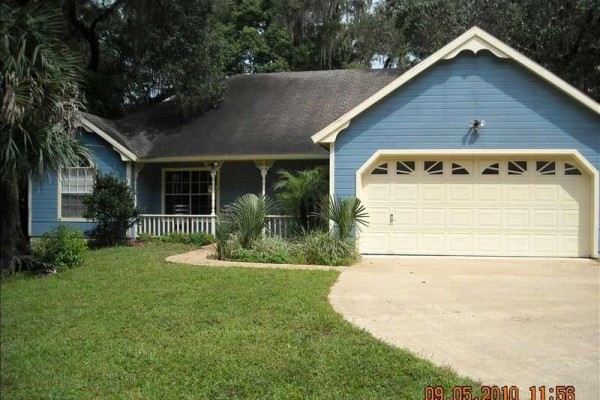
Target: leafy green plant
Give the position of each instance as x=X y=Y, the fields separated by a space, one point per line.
x=298 y=193
x=223 y=232
x=112 y=207
x=323 y=248
x=63 y=247
x=247 y=214
x=346 y=213
x=196 y=239
x=272 y=250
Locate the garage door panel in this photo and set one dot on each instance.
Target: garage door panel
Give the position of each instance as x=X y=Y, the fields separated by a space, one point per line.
x=460 y=193
x=517 y=244
x=375 y=242
x=405 y=192
x=405 y=217
x=460 y=218
x=433 y=243
x=543 y=244
x=545 y=219
x=472 y=213
x=404 y=243
x=378 y=192
x=432 y=192
x=489 y=243
x=489 y=218
x=459 y=243
x=379 y=216
x=432 y=217
x=516 y=218
x=545 y=193
x=516 y=193
x=489 y=193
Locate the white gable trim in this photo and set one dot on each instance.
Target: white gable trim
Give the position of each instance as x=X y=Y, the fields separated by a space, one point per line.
x=475 y=40
x=126 y=155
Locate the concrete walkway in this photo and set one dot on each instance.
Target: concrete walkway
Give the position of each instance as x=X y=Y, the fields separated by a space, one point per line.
x=206 y=256
x=519 y=322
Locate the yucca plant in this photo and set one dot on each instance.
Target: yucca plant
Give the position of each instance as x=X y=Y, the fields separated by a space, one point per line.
x=346 y=213
x=223 y=231
x=248 y=214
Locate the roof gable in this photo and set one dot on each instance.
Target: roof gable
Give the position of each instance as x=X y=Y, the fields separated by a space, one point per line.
x=475 y=40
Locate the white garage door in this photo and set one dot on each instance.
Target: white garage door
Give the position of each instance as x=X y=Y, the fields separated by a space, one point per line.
x=499 y=207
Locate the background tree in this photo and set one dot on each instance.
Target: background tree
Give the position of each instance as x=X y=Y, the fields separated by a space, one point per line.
x=41 y=99
x=143 y=52
x=561 y=35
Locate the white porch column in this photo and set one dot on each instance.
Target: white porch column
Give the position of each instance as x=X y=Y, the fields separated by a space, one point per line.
x=214 y=168
x=137 y=168
x=264 y=166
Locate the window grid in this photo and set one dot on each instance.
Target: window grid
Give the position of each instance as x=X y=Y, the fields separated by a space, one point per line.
x=75 y=182
x=188 y=192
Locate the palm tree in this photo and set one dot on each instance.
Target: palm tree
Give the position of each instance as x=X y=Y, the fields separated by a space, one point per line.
x=299 y=193
x=41 y=99
x=248 y=213
x=347 y=214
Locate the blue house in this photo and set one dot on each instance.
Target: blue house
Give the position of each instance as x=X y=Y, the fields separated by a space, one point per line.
x=477 y=150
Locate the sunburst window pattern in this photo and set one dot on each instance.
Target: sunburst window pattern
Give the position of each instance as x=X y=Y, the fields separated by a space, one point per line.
x=381 y=169
x=434 y=167
x=405 y=167
x=545 y=167
x=517 y=167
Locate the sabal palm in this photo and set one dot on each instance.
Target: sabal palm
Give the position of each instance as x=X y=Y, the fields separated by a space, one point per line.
x=248 y=215
x=346 y=213
x=299 y=192
x=41 y=99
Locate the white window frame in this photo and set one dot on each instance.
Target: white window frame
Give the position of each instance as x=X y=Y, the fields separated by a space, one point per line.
x=92 y=166
x=163 y=179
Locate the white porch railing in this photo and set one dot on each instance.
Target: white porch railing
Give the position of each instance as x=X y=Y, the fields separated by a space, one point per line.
x=279 y=225
x=162 y=224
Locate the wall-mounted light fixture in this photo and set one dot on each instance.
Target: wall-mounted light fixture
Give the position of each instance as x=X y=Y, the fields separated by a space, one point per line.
x=476 y=124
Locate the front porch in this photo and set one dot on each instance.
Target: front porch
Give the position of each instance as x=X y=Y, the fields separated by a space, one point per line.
x=186 y=197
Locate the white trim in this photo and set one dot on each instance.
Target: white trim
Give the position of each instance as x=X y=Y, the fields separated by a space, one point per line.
x=126 y=155
x=59 y=216
x=29 y=206
x=502 y=152
x=162 y=185
x=244 y=157
x=332 y=170
x=475 y=39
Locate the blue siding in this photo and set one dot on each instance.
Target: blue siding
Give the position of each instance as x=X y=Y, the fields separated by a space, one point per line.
x=44 y=196
x=236 y=178
x=432 y=112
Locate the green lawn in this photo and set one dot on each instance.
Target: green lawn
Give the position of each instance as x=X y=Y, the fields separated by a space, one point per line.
x=128 y=325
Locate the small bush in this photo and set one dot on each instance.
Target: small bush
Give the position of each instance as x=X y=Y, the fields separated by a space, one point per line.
x=197 y=239
x=265 y=250
x=323 y=248
x=63 y=247
x=112 y=207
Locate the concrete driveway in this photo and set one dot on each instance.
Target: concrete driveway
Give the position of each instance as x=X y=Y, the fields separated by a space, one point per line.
x=519 y=322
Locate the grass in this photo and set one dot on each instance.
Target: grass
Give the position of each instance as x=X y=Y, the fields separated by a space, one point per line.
x=127 y=325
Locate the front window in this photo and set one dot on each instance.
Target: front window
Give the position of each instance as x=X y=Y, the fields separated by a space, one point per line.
x=75 y=182
x=188 y=192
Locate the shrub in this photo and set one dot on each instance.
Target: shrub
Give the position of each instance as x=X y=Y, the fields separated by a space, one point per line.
x=63 y=247
x=247 y=214
x=323 y=248
x=223 y=232
x=196 y=239
x=111 y=206
x=265 y=250
x=346 y=214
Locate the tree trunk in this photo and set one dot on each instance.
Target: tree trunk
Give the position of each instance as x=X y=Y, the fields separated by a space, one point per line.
x=11 y=235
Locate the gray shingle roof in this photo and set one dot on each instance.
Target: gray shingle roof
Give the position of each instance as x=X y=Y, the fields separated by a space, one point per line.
x=274 y=113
